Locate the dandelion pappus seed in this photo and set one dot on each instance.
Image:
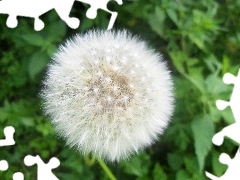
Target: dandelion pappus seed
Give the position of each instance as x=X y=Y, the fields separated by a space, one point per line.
x=106 y=105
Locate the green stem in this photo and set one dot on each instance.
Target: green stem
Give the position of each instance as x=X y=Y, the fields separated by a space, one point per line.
x=183 y=44
x=88 y=160
x=106 y=169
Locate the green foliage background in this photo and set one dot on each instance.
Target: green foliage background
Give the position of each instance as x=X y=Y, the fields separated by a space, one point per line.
x=200 y=40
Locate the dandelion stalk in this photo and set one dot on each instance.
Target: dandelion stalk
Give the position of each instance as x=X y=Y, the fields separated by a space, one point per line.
x=106 y=169
x=89 y=160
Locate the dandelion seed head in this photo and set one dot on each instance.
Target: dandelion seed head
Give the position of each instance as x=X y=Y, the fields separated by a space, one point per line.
x=108 y=94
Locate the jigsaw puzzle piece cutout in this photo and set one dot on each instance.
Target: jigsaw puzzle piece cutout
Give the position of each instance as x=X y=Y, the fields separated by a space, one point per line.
x=12 y=21
x=44 y=170
x=221 y=104
x=63 y=9
x=232 y=172
x=235 y=97
x=34 y=9
x=229 y=78
x=25 y=8
x=18 y=176
x=230 y=131
x=3 y=165
x=114 y=15
x=8 y=141
x=101 y=4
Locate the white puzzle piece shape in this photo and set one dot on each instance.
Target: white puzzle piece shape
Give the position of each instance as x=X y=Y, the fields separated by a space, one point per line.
x=18 y=176
x=100 y=4
x=44 y=170
x=235 y=98
x=232 y=130
x=3 y=165
x=233 y=171
x=8 y=141
x=34 y=9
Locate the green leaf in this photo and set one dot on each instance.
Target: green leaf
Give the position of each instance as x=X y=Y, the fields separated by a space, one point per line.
x=27 y=121
x=34 y=39
x=160 y=14
x=215 y=114
x=158 y=173
x=172 y=15
x=157 y=24
x=86 y=24
x=225 y=64
x=37 y=63
x=215 y=85
x=198 y=38
x=178 y=59
x=56 y=31
x=191 y=164
x=156 y=21
x=174 y=160
x=137 y=165
x=203 y=131
x=218 y=168
x=197 y=81
x=182 y=175
x=213 y=64
x=227 y=116
x=44 y=129
x=51 y=50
